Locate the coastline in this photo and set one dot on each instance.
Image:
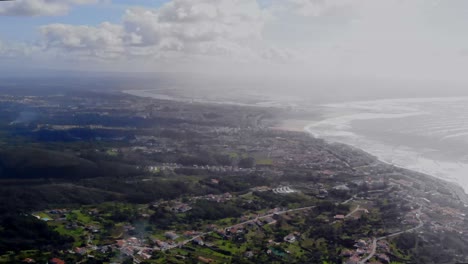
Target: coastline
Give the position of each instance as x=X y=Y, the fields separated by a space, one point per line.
x=301 y=125
x=176 y=98
x=294 y=125
x=423 y=129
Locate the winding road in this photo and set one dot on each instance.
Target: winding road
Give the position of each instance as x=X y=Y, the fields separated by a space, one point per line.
x=363 y=261
x=374 y=240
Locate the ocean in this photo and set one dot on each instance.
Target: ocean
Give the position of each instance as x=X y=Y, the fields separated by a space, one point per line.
x=428 y=135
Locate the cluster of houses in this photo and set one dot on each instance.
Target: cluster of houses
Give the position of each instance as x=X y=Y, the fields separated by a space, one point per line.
x=135 y=248
x=363 y=248
x=179 y=207
x=291 y=238
x=51 y=261
x=284 y=190
x=212 y=168
x=164 y=167
x=261 y=189
x=219 y=198
x=222 y=168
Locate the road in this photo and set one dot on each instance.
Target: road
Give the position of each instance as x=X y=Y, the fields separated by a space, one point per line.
x=374 y=248
x=243 y=223
x=356 y=196
x=374 y=240
x=421 y=223
x=350 y=199
x=354 y=211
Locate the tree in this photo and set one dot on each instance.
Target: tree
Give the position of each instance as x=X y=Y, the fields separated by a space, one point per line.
x=248 y=162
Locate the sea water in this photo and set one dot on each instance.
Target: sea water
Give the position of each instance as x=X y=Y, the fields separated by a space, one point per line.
x=428 y=135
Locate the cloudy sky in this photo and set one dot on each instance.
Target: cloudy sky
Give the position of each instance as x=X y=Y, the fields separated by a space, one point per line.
x=399 y=39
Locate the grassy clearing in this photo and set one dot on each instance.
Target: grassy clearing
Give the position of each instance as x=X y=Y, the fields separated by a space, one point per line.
x=77 y=215
x=264 y=162
x=77 y=234
x=295 y=250
x=112 y=152
x=42 y=215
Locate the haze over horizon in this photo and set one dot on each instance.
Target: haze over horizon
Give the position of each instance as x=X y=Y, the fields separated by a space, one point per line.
x=233 y=131
x=296 y=42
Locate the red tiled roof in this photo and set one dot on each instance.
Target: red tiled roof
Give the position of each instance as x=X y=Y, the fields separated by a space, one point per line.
x=56 y=261
x=339 y=216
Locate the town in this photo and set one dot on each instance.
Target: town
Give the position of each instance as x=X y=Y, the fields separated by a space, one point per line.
x=140 y=180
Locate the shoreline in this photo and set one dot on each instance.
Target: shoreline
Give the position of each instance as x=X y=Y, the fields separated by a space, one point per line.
x=418 y=154
x=302 y=125
x=294 y=125
x=176 y=98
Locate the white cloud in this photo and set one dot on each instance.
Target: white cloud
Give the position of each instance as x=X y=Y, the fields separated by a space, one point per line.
x=202 y=26
x=319 y=7
x=278 y=54
x=180 y=29
x=16 y=49
x=103 y=41
x=396 y=38
x=39 y=7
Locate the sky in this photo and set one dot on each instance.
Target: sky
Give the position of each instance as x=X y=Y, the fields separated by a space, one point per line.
x=389 y=39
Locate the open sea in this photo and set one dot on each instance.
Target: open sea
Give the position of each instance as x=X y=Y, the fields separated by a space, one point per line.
x=428 y=135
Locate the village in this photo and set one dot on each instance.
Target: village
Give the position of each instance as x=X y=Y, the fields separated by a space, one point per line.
x=208 y=184
x=214 y=242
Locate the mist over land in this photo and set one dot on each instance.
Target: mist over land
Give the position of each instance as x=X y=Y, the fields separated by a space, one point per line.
x=413 y=124
x=410 y=124
x=233 y=131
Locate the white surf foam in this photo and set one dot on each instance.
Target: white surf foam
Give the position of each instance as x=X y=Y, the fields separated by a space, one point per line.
x=440 y=123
